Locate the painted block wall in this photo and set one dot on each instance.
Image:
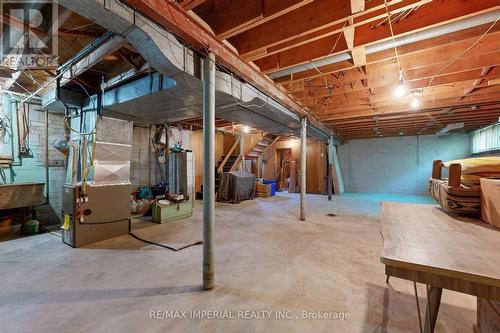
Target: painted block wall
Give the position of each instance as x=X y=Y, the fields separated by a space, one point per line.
x=32 y=169
x=400 y=165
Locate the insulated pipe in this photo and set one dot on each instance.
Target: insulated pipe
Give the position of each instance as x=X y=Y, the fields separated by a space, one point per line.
x=208 y=170
x=74 y=161
x=399 y=41
x=303 y=156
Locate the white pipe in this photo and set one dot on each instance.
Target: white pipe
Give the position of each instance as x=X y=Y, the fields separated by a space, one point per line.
x=399 y=41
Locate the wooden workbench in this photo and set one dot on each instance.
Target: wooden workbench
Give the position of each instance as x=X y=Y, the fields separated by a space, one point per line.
x=423 y=243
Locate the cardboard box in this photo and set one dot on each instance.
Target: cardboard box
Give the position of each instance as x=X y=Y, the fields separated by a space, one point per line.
x=490 y=201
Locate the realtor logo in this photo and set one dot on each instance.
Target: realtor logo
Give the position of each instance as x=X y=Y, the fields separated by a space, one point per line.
x=29 y=36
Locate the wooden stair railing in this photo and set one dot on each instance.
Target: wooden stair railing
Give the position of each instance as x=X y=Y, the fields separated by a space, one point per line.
x=228 y=155
x=237 y=163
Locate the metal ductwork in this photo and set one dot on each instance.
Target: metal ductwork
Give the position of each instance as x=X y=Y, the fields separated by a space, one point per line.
x=399 y=41
x=175 y=94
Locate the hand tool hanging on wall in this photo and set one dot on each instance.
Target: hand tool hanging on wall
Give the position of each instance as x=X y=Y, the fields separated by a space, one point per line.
x=23 y=128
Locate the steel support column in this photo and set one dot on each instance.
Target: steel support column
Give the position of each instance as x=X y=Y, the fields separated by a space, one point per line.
x=330 y=167
x=303 y=157
x=208 y=171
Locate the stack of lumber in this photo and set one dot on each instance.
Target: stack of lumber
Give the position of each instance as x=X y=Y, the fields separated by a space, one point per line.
x=263 y=190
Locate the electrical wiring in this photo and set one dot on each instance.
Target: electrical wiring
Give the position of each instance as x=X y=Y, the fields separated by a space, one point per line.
x=458 y=56
x=394 y=40
x=86 y=170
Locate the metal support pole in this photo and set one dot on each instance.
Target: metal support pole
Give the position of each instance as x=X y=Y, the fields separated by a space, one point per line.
x=330 y=168
x=46 y=162
x=242 y=153
x=303 y=157
x=208 y=171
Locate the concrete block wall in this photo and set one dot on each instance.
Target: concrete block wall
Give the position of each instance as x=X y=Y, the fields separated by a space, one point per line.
x=400 y=165
x=32 y=168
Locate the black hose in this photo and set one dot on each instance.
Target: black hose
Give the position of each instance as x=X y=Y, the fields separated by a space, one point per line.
x=165 y=246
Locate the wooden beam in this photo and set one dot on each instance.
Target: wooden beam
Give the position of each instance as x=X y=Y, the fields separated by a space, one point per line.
x=371 y=15
x=349 y=36
x=484 y=73
x=357 y=6
x=317 y=15
x=430 y=14
x=190 y=4
x=127 y=59
x=473 y=100
x=232 y=17
x=23 y=26
x=78 y=33
x=358 y=55
x=176 y=20
x=416 y=57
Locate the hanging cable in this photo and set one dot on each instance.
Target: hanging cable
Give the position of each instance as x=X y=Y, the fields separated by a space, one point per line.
x=463 y=53
x=393 y=39
x=163 y=245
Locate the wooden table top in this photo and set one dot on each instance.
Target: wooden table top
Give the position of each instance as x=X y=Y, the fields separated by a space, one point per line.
x=425 y=238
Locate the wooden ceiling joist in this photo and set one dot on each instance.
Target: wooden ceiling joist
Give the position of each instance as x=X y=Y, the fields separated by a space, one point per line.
x=190 y=4
x=313 y=17
x=424 y=17
x=232 y=17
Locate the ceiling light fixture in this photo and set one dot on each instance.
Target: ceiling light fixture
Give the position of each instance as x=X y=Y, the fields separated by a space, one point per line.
x=246 y=129
x=415 y=103
x=401 y=89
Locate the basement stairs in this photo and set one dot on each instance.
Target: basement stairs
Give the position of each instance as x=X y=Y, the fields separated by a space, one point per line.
x=230 y=162
x=261 y=146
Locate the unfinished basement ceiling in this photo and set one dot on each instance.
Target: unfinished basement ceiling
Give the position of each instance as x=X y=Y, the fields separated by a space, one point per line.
x=335 y=58
x=152 y=99
x=329 y=55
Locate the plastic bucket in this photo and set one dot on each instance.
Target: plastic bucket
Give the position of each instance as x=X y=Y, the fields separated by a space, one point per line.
x=30 y=227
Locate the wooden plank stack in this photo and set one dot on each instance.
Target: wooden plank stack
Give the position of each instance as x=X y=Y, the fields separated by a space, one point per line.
x=263 y=190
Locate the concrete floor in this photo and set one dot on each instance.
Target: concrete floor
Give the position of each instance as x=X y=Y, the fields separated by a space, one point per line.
x=266 y=260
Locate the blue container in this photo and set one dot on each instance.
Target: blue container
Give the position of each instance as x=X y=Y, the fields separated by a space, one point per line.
x=273 y=186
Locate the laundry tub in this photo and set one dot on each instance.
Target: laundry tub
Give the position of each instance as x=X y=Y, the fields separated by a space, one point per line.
x=19 y=195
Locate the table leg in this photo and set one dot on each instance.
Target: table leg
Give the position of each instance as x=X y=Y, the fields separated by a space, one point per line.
x=433 y=302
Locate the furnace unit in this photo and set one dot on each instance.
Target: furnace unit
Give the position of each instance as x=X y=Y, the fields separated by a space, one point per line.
x=96 y=197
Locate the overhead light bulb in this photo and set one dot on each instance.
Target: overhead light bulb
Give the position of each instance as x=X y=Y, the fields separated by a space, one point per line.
x=400 y=90
x=415 y=103
x=246 y=129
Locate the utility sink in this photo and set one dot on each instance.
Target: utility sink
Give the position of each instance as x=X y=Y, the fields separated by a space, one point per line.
x=19 y=195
